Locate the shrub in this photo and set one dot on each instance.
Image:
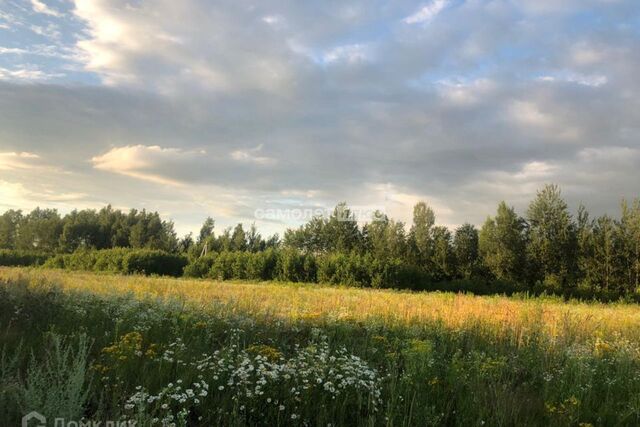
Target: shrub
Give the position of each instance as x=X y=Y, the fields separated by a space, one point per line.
x=9 y=257
x=222 y=268
x=262 y=265
x=121 y=260
x=293 y=266
x=154 y=262
x=200 y=267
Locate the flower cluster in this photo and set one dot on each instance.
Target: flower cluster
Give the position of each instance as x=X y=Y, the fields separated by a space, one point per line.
x=261 y=381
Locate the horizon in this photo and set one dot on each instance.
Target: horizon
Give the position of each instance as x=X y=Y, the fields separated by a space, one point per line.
x=194 y=111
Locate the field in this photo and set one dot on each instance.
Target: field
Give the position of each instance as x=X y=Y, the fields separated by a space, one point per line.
x=194 y=352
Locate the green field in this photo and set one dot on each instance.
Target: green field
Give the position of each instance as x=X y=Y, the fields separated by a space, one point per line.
x=196 y=352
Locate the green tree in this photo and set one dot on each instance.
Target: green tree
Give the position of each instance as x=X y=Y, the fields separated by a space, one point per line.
x=465 y=247
x=255 y=242
x=421 y=235
x=385 y=238
x=584 y=235
x=342 y=230
x=239 y=239
x=602 y=267
x=553 y=241
x=442 y=258
x=502 y=245
x=40 y=230
x=9 y=224
x=629 y=238
x=81 y=229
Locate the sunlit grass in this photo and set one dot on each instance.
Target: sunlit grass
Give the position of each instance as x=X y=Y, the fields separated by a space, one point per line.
x=558 y=319
x=400 y=358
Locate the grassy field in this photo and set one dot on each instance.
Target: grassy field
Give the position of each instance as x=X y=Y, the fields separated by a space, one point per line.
x=190 y=352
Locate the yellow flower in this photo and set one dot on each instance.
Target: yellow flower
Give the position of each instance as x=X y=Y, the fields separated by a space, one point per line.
x=601 y=347
x=265 y=351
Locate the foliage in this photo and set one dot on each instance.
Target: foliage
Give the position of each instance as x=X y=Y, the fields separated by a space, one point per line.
x=121 y=260
x=546 y=251
x=10 y=257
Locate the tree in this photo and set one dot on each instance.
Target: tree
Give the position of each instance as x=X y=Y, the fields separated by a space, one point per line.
x=206 y=231
x=9 y=224
x=385 y=238
x=341 y=230
x=603 y=262
x=442 y=258
x=81 y=229
x=553 y=240
x=420 y=235
x=186 y=244
x=255 y=243
x=629 y=238
x=149 y=231
x=584 y=236
x=502 y=245
x=40 y=230
x=238 y=239
x=205 y=236
x=465 y=247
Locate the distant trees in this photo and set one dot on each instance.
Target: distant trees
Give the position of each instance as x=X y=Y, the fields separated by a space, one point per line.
x=547 y=250
x=45 y=230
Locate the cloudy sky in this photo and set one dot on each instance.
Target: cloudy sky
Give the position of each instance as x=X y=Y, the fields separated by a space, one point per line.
x=197 y=108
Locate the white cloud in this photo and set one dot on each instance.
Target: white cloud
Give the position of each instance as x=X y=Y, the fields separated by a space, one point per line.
x=595 y=80
x=350 y=53
x=252 y=156
x=26 y=73
x=142 y=162
x=529 y=113
x=41 y=7
x=426 y=13
x=13 y=161
x=191 y=46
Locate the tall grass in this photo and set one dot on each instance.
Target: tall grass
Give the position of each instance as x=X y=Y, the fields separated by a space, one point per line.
x=194 y=352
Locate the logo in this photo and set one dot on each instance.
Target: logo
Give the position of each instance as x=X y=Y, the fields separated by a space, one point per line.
x=33 y=415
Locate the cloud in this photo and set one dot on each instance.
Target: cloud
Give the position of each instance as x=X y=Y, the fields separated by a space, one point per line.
x=41 y=7
x=426 y=13
x=252 y=156
x=26 y=73
x=142 y=162
x=194 y=110
x=351 y=54
x=13 y=161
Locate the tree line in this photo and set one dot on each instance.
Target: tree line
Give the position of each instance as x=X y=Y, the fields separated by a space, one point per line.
x=546 y=249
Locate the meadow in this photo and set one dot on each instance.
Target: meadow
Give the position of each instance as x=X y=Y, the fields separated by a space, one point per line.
x=165 y=351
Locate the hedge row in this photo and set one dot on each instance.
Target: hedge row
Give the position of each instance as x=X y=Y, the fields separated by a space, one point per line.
x=9 y=257
x=122 y=260
x=349 y=269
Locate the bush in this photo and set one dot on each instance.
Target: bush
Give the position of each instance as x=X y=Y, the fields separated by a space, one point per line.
x=154 y=262
x=9 y=257
x=262 y=265
x=121 y=260
x=200 y=267
x=222 y=268
x=293 y=266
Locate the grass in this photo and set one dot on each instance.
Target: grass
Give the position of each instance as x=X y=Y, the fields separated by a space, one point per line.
x=195 y=352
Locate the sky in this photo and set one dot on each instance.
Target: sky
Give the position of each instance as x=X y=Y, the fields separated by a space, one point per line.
x=224 y=108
